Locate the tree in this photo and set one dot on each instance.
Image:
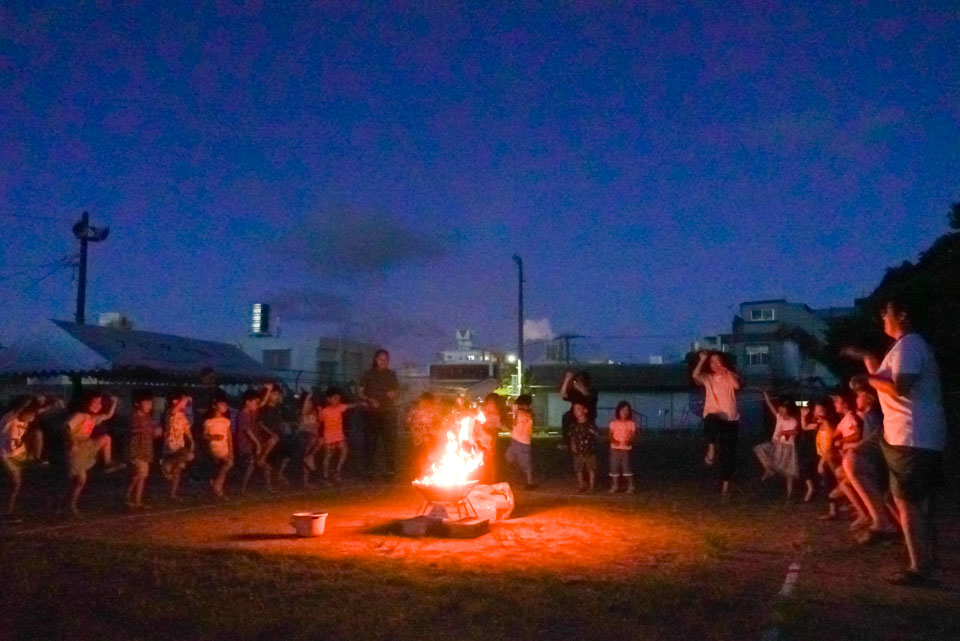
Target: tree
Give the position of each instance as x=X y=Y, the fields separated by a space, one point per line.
x=954 y=216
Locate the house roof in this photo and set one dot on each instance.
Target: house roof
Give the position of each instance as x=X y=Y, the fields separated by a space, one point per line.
x=613 y=377
x=65 y=348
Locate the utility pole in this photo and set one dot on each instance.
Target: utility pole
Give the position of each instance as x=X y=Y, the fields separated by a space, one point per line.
x=86 y=234
x=566 y=338
x=519 y=262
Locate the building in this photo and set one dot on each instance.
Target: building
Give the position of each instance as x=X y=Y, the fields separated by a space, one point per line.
x=466 y=368
x=304 y=361
x=660 y=394
x=775 y=342
x=311 y=362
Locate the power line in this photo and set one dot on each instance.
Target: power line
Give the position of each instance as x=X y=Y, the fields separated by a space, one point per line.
x=30 y=217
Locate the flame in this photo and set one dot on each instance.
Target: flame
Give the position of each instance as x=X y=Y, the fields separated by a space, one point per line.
x=461 y=456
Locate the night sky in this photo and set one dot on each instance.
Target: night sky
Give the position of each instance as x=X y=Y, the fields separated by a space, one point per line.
x=371 y=169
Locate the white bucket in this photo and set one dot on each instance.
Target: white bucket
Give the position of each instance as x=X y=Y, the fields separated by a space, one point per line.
x=309 y=523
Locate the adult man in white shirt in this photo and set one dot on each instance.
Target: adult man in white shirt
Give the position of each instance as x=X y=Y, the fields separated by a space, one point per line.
x=914 y=434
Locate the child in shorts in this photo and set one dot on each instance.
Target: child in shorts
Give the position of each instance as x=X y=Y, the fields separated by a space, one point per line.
x=254 y=441
x=216 y=431
x=334 y=441
x=83 y=448
x=583 y=441
x=13 y=450
x=143 y=431
x=519 y=452
x=623 y=432
x=178 y=446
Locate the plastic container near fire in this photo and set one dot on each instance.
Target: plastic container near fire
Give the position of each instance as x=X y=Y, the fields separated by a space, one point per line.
x=308 y=524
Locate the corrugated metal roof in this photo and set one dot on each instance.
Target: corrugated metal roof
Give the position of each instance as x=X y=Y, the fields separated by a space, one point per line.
x=91 y=350
x=613 y=377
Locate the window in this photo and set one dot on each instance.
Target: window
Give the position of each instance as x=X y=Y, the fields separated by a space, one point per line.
x=758 y=354
x=276 y=358
x=471 y=357
x=327 y=372
x=763 y=314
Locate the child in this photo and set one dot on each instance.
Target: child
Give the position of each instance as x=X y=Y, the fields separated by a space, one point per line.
x=623 y=432
x=178 y=443
x=779 y=456
x=485 y=435
x=254 y=442
x=271 y=420
x=335 y=443
x=216 y=431
x=143 y=431
x=13 y=450
x=583 y=441
x=83 y=448
x=309 y=435
x=848 y=433
x=424 y=425
x=519 y=452
x=824 y=417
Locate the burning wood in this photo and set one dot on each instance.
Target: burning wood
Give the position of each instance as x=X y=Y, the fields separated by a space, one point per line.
x=461 y=456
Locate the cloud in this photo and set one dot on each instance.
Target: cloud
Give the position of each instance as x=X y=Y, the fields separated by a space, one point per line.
x=310 y=305
x=537 y=330
x=349 y=242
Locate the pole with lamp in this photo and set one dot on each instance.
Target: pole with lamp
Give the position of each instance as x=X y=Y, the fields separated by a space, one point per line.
x=86 y=234
x=519 y=262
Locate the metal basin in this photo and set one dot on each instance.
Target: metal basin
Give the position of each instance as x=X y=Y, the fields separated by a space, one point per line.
x=444 y=493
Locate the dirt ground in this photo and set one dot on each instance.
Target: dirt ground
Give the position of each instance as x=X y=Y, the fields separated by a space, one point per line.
x=669 y=562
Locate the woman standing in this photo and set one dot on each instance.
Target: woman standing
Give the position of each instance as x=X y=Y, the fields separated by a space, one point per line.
x=721 y=418
x=907 y=381
x=378 y=390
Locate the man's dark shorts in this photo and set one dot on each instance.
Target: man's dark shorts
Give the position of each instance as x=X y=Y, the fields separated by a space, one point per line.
x=916 y=474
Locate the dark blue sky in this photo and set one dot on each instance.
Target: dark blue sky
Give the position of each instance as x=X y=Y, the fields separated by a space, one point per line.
x=373 y=168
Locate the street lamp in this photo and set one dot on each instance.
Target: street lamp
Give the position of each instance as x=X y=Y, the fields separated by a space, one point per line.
x=519 y=262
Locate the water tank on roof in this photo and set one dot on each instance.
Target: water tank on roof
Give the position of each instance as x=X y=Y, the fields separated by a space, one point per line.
x=260 y=319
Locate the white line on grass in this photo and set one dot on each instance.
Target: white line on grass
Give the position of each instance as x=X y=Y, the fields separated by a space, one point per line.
x=772 y=633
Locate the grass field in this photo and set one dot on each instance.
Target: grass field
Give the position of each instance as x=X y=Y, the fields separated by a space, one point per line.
x=670 y=562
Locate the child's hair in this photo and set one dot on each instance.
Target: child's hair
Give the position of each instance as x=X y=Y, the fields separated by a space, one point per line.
x=87 y=399
x=620 y=406
x=141 y=395
x=427 y=396
x=524 y=401
x=860 y=384
x=845 y=396
x=584 y=377
x=790 y=406
x=176 y=396
x=334 y=391
x=216 y=400
x=250 y=395
x=378 y=353
x=827 y=406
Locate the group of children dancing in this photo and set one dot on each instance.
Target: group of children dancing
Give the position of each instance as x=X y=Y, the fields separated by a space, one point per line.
x=251 y=438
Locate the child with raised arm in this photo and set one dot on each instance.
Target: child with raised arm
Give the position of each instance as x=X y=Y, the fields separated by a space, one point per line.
x=519 y=453
x=83 y=448
x=144 y=430
x=309 y=434
x=252 y=440
x=721 y=417
x=13 y=450
x=779 y=456
x=583 y=443
x=623 y=433
x=335 y=442
x=178 y=445
x=216 y=432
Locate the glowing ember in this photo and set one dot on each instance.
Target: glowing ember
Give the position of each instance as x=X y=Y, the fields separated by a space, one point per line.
x=461 y=456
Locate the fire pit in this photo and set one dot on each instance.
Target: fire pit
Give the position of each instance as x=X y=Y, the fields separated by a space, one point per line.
x=447 y=497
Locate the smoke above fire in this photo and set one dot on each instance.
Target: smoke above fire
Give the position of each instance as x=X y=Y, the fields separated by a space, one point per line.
x=537 y=330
